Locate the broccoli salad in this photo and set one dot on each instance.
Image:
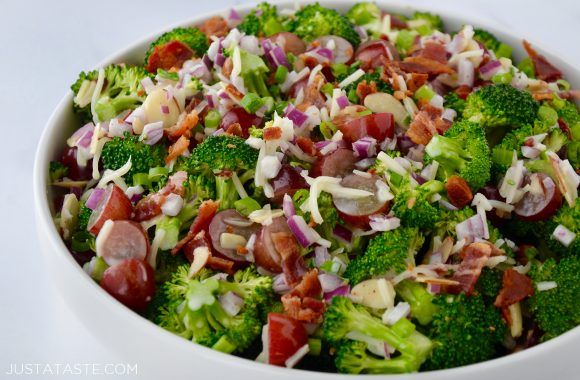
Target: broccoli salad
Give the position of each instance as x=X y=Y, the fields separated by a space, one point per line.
x=358 y=193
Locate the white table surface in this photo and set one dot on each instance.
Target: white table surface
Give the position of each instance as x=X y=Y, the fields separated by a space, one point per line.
x=44 y=44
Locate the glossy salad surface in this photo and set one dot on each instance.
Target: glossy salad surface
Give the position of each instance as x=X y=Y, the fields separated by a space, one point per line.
x=359 y=193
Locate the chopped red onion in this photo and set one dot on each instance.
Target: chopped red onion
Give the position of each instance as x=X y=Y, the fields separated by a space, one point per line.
x=220 y=59
x=152 y=133
x=342 y=233
x=279 y=284
x=365 y=164
x=530 y=151
x=147 y=84
x=489 y=69
x=231 y=302
x=279 y=57
x=267 y=45
x=80 y=134
x=304 y=234
x=449 y=114
x=321 y=256
x=402 y=310
x=200 y=107
x=224 y=95
x=251 y=45
x=447 y=205
x=434 y=288
x=564 y=235
x=118 y=129
x=420 y=180
x=362 y=33
x=207 y=62
x=456 y=45
x=85 y=140
x=381 y=222
x=165 y=109
x=234 y=15
x=471 y=228
x=340 y=291
x=298 y=117
x=329 y=282
x=288 y=206
x=202 y=72
x=210 y=101
x=95 y=198
x=172 y=205
x=325 y=52
x=365 y=147
x=342 y=101
x=465 y=73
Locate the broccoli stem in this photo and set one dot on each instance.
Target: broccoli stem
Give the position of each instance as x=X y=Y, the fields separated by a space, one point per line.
x=420 y=300
x=226 y=192
x=225 y=345
x=448 y=152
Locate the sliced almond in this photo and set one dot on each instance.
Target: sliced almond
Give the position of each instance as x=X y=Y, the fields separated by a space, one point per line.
x=200 y=258
x=382 y=102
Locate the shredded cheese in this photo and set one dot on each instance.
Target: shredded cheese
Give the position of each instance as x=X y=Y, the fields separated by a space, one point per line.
x=351 y=78
x=115 y=175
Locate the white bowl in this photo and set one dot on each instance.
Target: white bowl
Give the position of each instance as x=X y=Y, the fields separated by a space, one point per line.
x=160 y=354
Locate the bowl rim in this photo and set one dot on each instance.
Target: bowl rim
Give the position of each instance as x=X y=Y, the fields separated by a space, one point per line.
x=45 y=222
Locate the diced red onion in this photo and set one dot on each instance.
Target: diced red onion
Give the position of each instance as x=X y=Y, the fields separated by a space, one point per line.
x=80 y=134
x=165 y=109
x=470 y=229
x=288 y=206
x=85 y=140
x=362 y=33
x=210 y=101
x=94 y=198
x=169 y=93
x=489 y=69
x=147 y=84
x=200 y=107
x=202 y=72
x=250 y=44
x=434 y=288
x=279 y=57
x=118 y=129
x=340 y=291
x=456 y=44
x=465 y=73
x=402 y=310
x=220 y=59
x=304 y=234
x=298 y=117
x=207 y=62
x=279 y=284
x=224 y=95
x=135 y=197
x=325 y=52
x=152 y=133
x=329 y=282
x=267 y=45
x=530 y=151
x=564 y=235
x=231 y=302
x=381 y=222
x=342 y=101
x=172 y=205
x=234 y=15
x=365 y=147
x=420 y=180
x=321 y=256
x=364 y=164
x=342 y=233
x=447 y=205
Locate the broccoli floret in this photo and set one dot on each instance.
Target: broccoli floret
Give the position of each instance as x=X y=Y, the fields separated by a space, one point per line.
x=567 y=111
x=255 y=73
x=492 y=43
x=117 y=152
x=526 y=66
x=390 y=251
x=84 y=215
x=489 y=284
x=364 y=13
x=57 y=170
x=192 y=309
x=166 y=265
x=343 y=317
x=501 y=105
x=569 y=217
x=502 y=154
x=413 y=207
x=353 y=357
x=192 y=37
x=325 y=207
x=218 y=158
x=315 y=21
x=453 y=101
x=420 y=300
x=448 y=221
x=464 y=331
x=556 y=310
x=262 y=21
x=426 y=23
x=462 y=151
x=122 y=90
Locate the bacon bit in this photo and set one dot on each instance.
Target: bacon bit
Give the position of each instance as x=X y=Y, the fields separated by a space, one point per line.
x=183 y=126
x=363 y=89
x=565 y=128
x=241 y=250
x=302 y=107
x=474 y=257
x=177 y=149
x=292 y=263
x=416 y=80
x=215 y=26
x=312 y=93
x=463 y=91
x=311 y=223
x=458 y=191
x=302 y=302
x=227 y=67
x=148 y=207
x=272 y=133
x=544 y=69
x=234 y=92
x=306 y=145
x=309 y=61
x=169 y=55
x=207 y=211
x=424 y=66
x=433 y=51
x=234 y=129
x=397 y=23
x=175 y=184
x=426 y=124
x=218 y=263
x=516 y=287
x=543 y=96
x=315 y=44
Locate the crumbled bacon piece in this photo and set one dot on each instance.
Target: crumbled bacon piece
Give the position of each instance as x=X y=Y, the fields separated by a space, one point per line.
x=458 y=191
x=234 y=92
x=424 y=66
x=148 y=207
x=215 y=26
x=426 y=124
x=544 y=69
x=303 y=302
x=177 y=149
x=183 y=126
x=306 y=145
x=272 y=133
x=169 y=55
x=416 y=80
x=363 y=89
x=292 y=263
x=234 y=129
x=224 y=265
x=474 y=257
x=516 y=287
x=312 y=92
x=433 y=51
x=463 y=91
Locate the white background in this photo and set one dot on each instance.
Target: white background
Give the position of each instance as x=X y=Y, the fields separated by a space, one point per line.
x=43 y=47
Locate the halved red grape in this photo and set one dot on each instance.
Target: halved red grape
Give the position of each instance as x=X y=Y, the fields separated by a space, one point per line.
x=342 y=51
x=265 y=253
x=230 y=221
x=289 y=42
x=378 y=126
x=121 y=240
x=336 y=164
x=537 y=206
x=288 y=181
x=131 y=282
x=76 y=172
x=357 y=211
x=369 y=53
x=114 y=205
